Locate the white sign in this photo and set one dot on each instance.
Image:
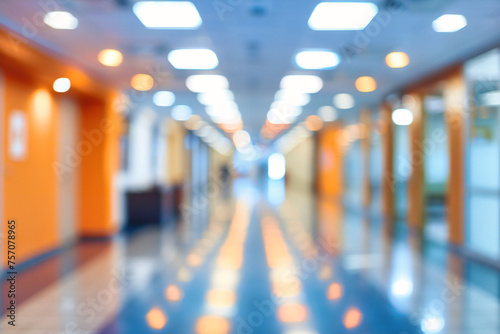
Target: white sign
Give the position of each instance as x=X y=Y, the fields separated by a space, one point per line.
x=18 y=135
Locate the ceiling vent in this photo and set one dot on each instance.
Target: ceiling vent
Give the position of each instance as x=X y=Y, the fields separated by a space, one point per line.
x=259 y=8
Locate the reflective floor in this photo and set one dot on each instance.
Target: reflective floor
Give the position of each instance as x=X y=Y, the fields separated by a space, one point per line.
x=253 y=260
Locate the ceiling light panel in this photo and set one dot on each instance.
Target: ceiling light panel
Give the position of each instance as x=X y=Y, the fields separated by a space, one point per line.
x=342 y=15
x=203 y=83
x=307 y=84
x=193 y=59
x=167 y=14
x=449 y=23
x=317 y=60
x=61 y=20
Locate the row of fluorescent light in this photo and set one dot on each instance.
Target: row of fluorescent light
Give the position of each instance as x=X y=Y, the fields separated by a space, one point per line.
x=181 y=59
x=294 y=93
x=214 y=139
x=214 y=93
x=219 y=101
x=184 y=15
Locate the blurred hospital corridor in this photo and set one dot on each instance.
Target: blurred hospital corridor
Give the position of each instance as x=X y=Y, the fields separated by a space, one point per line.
x=250 y=166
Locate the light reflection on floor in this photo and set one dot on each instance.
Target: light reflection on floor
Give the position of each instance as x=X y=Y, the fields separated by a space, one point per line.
x=265 y=263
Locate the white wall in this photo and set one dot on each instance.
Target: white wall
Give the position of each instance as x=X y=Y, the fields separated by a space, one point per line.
x=141 y=170
x=68 y=186
x=300 y=166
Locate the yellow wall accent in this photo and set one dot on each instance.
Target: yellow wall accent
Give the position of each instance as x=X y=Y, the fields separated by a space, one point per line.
x=176 y=153
x=300 y=165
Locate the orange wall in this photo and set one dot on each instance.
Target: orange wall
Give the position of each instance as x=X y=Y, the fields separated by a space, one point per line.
x=388 y=177
x=330 y=161
x=30 y=185
x=455 y=99
x=101 y=128
x=416 y=182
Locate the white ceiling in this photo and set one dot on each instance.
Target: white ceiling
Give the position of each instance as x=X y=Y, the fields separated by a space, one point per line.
x=256 y=42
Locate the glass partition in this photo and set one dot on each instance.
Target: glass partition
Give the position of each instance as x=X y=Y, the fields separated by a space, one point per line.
x=483 y=161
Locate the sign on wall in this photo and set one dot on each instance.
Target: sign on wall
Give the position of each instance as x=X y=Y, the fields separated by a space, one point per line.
x=18 y=135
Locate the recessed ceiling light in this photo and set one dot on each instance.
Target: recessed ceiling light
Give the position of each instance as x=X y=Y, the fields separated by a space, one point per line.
x=342 y=15
x=142 y=82
x=62 y=85
x=202 y=83
x=164 y=98
x=181 y=113
x=402 y=117
x=167 y=14
x=397 y=60
x=449 y=23
x=343 y=101
x=317 y=60
x=60 y=20
x=308 y=84
x=110 y=57
x=193 y=59
x=366 y=84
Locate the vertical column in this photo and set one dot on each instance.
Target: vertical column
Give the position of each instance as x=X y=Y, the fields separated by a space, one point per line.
x=2 y=148
x=455 y=101
x=366 y=128
x=416 y=181
x=330 y=161
x=388 y=181
x=100 y=129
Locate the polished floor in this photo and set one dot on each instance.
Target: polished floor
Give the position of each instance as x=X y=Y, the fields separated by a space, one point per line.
x=259 y=260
